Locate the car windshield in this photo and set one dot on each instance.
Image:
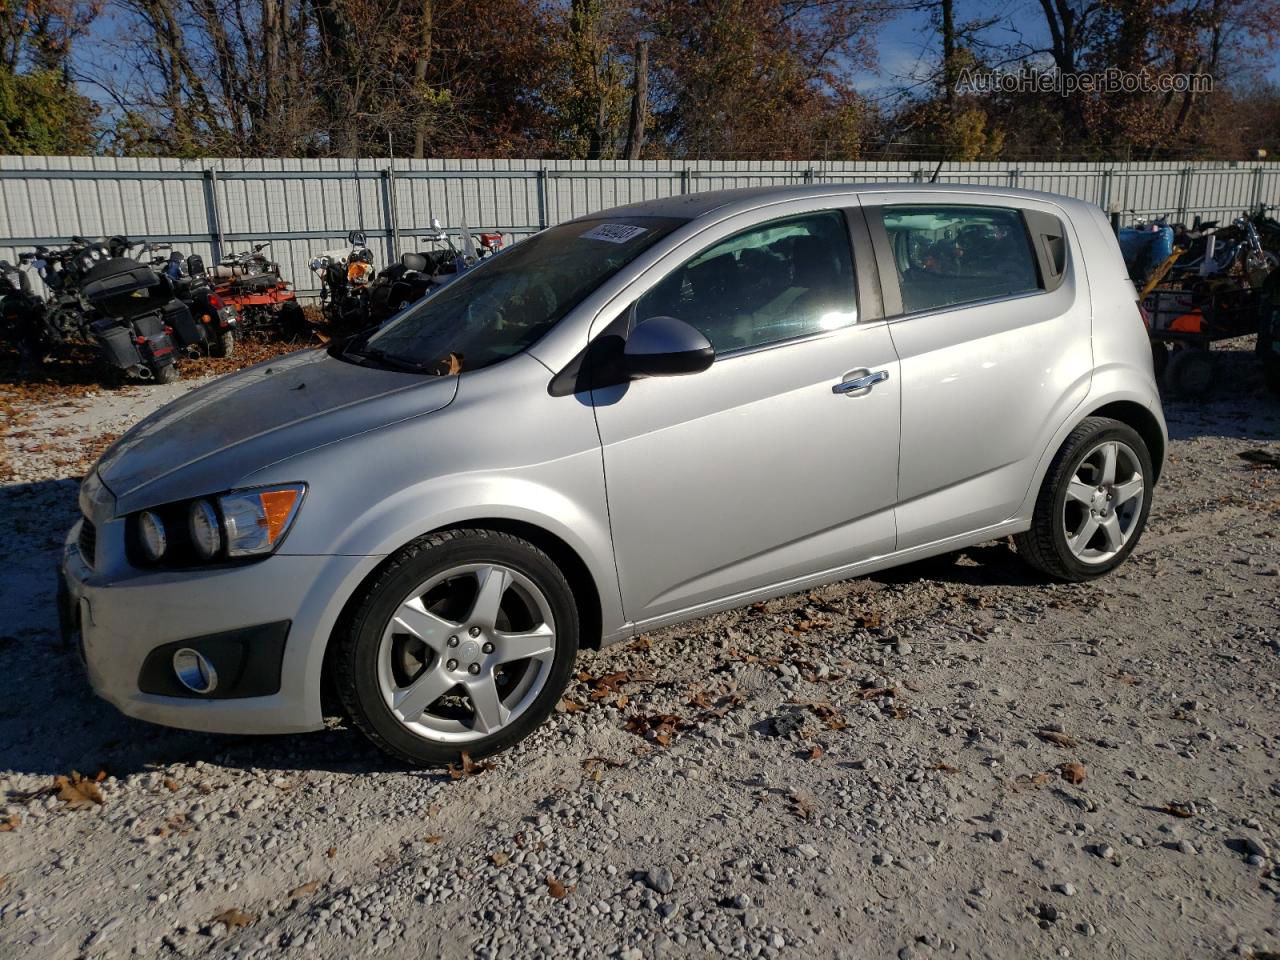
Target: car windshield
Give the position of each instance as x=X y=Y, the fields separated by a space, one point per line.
x=507 y=303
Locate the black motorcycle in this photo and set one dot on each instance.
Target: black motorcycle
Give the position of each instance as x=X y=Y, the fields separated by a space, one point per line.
x=216 y=319
x=345 y=284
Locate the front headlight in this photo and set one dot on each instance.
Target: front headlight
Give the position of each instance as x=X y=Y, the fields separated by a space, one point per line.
x=152 y=536
x=255 y=521
x=236 y=526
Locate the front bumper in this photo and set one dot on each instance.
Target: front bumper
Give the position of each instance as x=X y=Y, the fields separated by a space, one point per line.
x=117 y=619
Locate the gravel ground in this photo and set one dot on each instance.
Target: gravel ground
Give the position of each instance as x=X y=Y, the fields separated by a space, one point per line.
x=951 y=759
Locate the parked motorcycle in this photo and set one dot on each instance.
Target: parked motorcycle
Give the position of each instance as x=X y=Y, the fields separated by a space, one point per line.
x=345 y=278
x=93 y=293
x=216 y=318
x=417 y=274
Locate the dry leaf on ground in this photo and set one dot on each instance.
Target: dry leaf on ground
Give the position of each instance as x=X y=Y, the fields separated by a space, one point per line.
x=234 y=918
x=558 y=889
x=79 y=793
x=1072 y=772
x=469 y=768
x=10 y=823
x=305 y=890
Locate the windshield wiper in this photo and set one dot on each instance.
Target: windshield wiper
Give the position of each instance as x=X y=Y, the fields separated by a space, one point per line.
x=381 y=356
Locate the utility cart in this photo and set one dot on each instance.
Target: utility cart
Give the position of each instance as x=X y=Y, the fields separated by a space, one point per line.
x=1183 y=322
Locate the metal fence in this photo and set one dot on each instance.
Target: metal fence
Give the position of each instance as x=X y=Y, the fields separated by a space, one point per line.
x=214 y=207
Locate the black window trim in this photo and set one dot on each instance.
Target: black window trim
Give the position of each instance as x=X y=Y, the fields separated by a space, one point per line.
x=887 y=268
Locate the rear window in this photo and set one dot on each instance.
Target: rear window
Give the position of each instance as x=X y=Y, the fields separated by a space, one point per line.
x=949 y=255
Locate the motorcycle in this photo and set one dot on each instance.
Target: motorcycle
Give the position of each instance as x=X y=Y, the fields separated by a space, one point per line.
x=217 y=319
x=345 y=277
x=402 y=284
x=252 y=284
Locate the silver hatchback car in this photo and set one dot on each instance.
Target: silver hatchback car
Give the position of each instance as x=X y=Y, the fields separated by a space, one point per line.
x=628 y=420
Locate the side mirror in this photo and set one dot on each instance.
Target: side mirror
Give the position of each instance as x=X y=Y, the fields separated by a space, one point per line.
x=357 y=238
x=666 y=347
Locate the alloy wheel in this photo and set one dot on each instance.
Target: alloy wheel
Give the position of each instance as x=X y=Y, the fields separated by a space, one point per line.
x=466 y=652
x=1103 y=502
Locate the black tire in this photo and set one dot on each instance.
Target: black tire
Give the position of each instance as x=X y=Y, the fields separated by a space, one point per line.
x=1191 y=373
x=166 y=373
x=1159 y=357
x=226 y=344
x=293 y=321
x=1044 y=546
x=1271 y=373
x=355 y=658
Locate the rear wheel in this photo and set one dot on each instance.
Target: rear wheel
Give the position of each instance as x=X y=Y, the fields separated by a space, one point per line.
x=1191 y=373
x=226 y=344
x=463 y=644
x=1093 y=503
x=166 y=373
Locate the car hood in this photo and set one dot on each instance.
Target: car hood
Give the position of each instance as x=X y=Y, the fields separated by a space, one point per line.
x=218 y=435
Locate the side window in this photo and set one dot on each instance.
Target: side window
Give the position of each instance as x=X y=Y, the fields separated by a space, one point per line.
x=948 y=255
x=782 y=279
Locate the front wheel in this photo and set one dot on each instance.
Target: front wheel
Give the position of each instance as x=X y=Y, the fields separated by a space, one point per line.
x=464 y=643
x=1093 y=504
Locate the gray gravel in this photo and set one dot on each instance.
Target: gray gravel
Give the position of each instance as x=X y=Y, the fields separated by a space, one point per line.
x=859 y=771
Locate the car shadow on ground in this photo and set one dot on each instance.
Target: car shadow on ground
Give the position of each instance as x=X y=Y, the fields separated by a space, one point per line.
x=988 y=564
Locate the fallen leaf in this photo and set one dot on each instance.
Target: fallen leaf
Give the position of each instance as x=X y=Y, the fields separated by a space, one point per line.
x=606 y=686
x=641 y=643
x=171 y=785
x=1178 y=810
x=331 y=852
x=816 y=753
x=305 y=890
x=468 y=768
x=1072 y=772
x=233 y=918
x=1059 y=739
x=945 y=768
x=871 y=693
x=568 y=706
x=77 y=792
x=622 y=701
x=801 y=807
x=498 y=858
x=10 y=823
x=558 y=889
x=434 y=838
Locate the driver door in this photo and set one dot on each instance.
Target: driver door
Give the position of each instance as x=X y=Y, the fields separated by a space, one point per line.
x=753 y=473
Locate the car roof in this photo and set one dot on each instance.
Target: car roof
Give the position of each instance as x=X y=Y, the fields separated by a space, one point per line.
x=702 y=203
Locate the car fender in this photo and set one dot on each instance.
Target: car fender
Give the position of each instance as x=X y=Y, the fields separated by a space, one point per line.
x=1112 y=383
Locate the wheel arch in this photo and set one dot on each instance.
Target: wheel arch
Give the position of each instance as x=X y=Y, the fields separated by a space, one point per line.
x=586 y=593
x=1142 y=420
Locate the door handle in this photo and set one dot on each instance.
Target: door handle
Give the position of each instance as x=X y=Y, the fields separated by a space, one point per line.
x=864 y=382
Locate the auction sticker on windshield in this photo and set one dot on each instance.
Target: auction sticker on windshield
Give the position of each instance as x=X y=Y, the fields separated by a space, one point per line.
x=614 y=232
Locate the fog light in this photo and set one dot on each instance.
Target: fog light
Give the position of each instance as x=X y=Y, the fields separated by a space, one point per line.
x=194 y=671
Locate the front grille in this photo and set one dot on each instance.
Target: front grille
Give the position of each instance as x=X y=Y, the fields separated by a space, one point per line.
x=88 y=540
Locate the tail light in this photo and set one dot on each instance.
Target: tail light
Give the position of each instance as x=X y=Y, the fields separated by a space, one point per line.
x=215 y=301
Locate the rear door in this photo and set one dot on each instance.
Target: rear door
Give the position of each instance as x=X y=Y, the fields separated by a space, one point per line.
x=990 y=316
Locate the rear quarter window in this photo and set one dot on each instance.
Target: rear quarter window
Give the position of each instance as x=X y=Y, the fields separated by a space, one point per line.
x=947 y=255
